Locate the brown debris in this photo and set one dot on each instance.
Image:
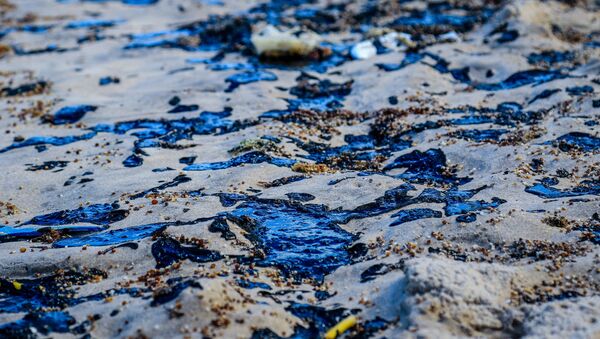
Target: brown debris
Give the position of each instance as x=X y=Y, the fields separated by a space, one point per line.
x=5 y=50
x=348 y=161
x=7 y=208
x=326 y=121
x=391 y=122
x=39 y=108
x=6 y=6
x=557 y=221
x=303 y=167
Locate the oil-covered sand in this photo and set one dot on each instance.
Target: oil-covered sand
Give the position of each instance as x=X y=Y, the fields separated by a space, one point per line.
x=160 y=178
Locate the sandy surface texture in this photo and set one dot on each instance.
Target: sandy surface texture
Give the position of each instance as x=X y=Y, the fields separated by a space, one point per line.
x=272 y=169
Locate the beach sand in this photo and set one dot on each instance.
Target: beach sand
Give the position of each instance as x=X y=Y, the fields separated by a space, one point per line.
x=447 y=187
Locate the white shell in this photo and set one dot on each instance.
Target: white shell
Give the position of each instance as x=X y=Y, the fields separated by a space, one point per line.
x=363 y=50
x=450 y=36
x=389 y=41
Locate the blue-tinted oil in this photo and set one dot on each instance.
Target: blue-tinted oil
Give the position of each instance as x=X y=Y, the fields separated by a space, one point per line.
x=425 y=167
x=8 y=233
x=522 y=78
x=303 y=241
x=112 y=237
x=43 y=141
x=33 y=323
x=545 y=190
x=480 y=135
x=544 y=94
x=247 y=77
x=71 y=114
x=405 y=216
x=133 y=160
x=254 y=157
x=550 y=57
x=580 y=90
x=578 y=141
x=92 y=23
x=409 y=59
x=99 y=214
x=167 y=251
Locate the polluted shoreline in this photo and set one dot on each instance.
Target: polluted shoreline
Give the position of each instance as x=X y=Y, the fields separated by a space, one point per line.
x=299 y=169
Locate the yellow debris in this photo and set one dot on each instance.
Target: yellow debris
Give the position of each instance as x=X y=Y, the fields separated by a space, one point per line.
x=341 y=327
x=17 y=285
